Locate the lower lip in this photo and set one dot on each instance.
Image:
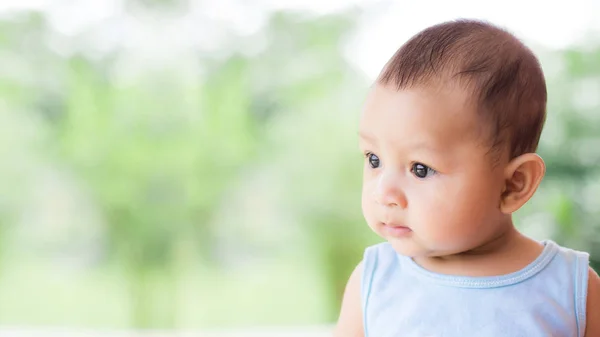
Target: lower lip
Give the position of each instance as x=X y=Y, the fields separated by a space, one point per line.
x=399 y=231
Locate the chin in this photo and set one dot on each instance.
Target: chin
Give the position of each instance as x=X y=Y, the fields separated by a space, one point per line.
x=409 y=249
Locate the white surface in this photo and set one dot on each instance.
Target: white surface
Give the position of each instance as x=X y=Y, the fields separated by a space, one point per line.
x=324 y=331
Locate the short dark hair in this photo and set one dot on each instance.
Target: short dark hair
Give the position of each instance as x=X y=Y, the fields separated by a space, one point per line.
x=503 y=76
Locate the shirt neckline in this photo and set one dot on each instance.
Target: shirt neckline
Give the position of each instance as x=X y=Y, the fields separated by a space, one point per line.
x=549 y=251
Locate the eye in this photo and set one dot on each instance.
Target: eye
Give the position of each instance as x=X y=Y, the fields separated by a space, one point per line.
x=422 y=171
x=373 y=160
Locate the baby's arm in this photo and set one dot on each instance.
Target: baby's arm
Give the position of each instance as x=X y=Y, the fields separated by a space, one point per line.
x=592 y=323
x=350 y=320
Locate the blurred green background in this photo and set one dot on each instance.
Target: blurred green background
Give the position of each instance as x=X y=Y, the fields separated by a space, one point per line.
x=168 y=166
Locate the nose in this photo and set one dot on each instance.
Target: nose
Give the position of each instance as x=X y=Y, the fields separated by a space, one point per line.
x=388 y=191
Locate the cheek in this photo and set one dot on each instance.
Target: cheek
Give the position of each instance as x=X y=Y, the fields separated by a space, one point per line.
x=459 y=208
x=367 y=199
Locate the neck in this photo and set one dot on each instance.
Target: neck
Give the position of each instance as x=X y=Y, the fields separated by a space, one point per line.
x=509 y=251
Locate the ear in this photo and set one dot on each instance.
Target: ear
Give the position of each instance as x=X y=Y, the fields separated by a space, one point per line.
x=522 y=177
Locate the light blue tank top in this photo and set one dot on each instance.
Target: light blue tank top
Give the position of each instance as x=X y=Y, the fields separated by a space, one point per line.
x=546 y=298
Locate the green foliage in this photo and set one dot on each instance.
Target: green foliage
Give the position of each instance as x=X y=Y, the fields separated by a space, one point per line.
x=214 y=157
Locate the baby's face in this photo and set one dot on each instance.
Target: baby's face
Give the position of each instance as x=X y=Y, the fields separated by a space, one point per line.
x=429 y=186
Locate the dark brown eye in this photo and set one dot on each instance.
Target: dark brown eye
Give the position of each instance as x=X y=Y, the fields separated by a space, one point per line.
x=422 y=171
x=373 y=160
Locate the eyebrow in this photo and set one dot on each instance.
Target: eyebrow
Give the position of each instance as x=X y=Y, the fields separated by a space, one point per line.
x=420 y=145
x=366 y=136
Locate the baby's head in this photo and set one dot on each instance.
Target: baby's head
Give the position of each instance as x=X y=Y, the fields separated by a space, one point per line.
x=449 y=132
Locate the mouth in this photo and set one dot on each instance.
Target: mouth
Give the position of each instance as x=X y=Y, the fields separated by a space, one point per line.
x=395 y=230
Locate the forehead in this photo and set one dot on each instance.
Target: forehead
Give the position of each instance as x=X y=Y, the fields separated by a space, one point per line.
x=440 y=117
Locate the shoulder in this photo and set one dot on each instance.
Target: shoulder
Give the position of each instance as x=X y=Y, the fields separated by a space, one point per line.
x=350 y=319
x=377 y=261
x=593 y=305
x=378 y=252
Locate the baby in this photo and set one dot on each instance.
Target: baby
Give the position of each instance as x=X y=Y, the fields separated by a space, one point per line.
x=449 y=133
